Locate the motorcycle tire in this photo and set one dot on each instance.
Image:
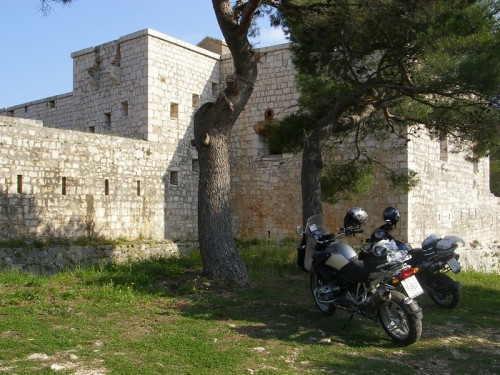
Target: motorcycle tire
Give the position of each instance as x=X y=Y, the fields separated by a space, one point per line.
x=444 y=291
x=401 y=319
x=325 y=308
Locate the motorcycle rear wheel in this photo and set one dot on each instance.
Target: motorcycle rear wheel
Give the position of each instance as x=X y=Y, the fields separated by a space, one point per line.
x=399 y=321
x=314 y=283
x=444 y=291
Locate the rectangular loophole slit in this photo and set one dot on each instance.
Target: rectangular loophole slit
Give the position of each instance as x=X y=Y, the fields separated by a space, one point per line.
x=174 y=110
x=19 y=184
x=63 y=185
x=195 y=166
x=215 y=89
x=138 y=188
x=174 y=178
x=443 y=146
x=124 y=106
x=106 y=187
x=107 y=120
x=196 y=101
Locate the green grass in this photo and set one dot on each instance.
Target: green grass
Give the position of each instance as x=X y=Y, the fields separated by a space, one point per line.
x=163 y=317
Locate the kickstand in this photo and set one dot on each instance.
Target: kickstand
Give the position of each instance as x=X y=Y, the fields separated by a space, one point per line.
x=348 y=321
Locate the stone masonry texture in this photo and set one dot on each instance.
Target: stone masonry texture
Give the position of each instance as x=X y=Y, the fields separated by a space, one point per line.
x=114 y=159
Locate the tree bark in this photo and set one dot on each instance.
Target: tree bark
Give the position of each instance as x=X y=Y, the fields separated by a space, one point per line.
x=310 y=179
x=312 y=161
x=212 y=127
x=221 y=260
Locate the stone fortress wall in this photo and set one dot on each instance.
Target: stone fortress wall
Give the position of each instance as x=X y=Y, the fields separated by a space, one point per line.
x=453 y=196
x=74 y=184
x=124 y=153
x=129 y=122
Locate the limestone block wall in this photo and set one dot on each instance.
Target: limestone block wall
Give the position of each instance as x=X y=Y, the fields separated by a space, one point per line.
x=73 y=184
x=52 y=259
x=110 y=88
x=145 y=85
x=454 y=195
x=55 y=111
x=389 y=151
x=181 y=77
x=265 y=194
x=138 y=95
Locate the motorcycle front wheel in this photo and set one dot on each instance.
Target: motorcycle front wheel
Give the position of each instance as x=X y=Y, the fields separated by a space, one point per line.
x=443 y=290
x=314 y=283
x=400 y=320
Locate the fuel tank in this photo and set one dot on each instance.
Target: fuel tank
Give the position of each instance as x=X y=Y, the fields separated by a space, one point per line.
x=341 y=254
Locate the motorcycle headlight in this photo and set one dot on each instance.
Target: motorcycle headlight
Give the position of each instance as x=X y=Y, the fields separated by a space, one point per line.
x=395 y=255
x=384 y=247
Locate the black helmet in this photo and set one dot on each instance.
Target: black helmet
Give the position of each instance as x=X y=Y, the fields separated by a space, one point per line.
x=391 y=215
x=355 y=218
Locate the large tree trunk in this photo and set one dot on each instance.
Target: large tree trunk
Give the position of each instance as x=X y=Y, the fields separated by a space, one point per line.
x=312 y=161
x=220 y=257
x=312 y=164
x=212 y=127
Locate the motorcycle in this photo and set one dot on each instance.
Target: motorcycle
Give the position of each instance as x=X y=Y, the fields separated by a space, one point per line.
x=338 y=279
x=434 y=260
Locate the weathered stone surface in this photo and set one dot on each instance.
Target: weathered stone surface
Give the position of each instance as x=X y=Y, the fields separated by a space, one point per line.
x=481 y=257
x=113 y=158
x=58 y=258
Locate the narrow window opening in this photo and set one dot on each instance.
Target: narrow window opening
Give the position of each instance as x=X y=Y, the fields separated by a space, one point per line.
x=174 y=178
x=19 y=184
x=25 y=109
x=196 y=166
x=106 y=187
x=174 y=110
x=107 y=119
x=63 y=186
x=475 y=162
x=196 y=100
x=124 y=106
x=52 y=104
x=215 y=89
x=92 y=129
x=443 y=146
x=138 y=188
x=275 y=149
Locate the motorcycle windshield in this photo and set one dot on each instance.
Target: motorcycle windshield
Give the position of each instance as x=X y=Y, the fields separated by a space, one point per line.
x=315 y=223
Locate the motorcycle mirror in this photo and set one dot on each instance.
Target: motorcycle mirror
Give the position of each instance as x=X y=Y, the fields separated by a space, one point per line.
x=299 y=230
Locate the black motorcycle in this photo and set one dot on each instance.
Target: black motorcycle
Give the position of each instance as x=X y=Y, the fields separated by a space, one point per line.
x=434 y=260
x=338 y=279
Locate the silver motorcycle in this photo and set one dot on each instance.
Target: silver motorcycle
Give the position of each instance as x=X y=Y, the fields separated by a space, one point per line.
x=338 y=279
x=434 y=260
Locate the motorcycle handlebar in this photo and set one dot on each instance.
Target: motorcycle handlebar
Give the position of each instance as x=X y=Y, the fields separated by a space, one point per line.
x=327 y=238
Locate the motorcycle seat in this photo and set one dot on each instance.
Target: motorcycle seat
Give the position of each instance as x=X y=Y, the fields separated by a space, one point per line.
x=355 y=271
x=420 y=255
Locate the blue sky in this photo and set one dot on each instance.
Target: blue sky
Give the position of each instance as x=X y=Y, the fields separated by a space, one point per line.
x=35 y=58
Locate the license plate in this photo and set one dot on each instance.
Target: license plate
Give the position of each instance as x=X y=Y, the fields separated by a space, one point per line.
x=454 y=265
x=412 y=287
